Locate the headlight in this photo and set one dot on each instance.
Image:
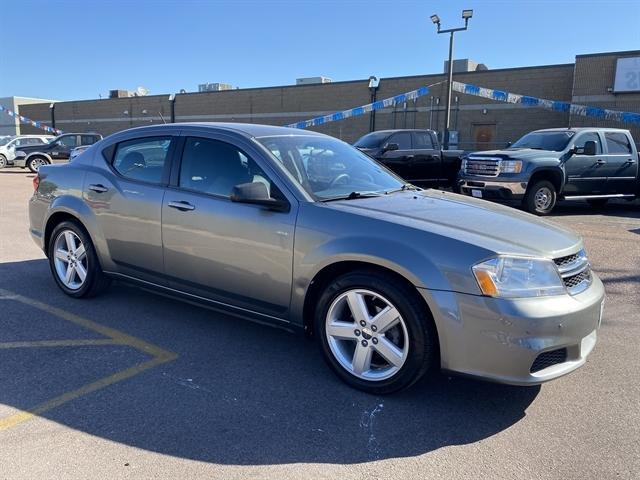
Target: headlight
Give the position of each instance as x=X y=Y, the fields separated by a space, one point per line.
x=514 y=277
x=511 y=166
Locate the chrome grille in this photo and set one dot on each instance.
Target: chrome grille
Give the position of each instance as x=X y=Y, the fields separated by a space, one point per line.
x=575 y=271
x=484 y=167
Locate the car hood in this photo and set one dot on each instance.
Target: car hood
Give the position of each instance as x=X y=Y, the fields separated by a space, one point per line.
x=495 y=227
x=519 y=153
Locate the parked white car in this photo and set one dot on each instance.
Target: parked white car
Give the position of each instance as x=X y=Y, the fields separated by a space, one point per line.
x=9 y=145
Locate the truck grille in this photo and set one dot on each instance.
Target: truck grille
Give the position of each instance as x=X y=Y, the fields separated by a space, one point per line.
x=483 y=167
x=575 y=272
x=546 y=359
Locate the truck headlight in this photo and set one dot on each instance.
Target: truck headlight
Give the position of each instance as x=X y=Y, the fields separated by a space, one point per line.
x=511 y=166
x=517 y=277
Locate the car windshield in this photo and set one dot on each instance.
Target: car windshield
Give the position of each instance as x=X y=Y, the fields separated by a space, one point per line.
x=328 y=168
x=371 y=140
x=4 y=141
x=552 y=141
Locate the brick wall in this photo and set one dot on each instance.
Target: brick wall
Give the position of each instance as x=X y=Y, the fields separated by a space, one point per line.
x=289 y=104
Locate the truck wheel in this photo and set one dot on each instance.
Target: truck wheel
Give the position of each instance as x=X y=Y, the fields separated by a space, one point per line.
x=3 y=161
x=34 y=163
x=375 y=332
x=541 y=197
x=597 y=202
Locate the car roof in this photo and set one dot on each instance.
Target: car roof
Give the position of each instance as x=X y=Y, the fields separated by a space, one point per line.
x=247 y=129
x=580 y=129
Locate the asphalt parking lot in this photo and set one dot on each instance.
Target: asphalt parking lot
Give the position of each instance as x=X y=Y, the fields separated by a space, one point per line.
x=134 y=385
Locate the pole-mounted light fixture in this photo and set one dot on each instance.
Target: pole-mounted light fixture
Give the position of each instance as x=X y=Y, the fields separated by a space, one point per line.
x=466 y=15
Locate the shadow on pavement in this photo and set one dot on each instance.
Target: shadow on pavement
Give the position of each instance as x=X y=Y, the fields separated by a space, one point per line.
x=239 y=393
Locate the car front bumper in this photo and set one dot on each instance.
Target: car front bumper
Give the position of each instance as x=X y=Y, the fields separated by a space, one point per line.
x=500 y=339
x=493 y=189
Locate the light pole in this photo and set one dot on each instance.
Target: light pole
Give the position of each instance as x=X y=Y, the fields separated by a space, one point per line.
x=466 y=15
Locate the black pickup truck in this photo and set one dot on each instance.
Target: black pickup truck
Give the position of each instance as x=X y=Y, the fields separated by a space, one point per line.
x=56 y=151
x=544 y=166
x=415 y=155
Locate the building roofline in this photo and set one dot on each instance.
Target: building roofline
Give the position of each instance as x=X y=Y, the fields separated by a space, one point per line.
x=608 y=54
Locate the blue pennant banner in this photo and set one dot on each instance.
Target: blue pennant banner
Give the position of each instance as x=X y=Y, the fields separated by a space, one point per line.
x=28 y=121
x=356 y=112
x=582 y=110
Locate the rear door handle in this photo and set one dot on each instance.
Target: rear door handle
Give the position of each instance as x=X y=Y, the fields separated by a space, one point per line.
x=182 y=206
x=631 y=162
x=96 y=187
x=601 y=161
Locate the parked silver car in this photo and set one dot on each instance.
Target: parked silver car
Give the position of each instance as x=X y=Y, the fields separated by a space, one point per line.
x=303 y=231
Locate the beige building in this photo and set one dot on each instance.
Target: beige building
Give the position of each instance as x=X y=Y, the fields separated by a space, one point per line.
x=481 y=123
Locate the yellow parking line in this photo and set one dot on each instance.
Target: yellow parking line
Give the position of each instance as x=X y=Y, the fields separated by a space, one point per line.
x=159 y=355
x=58 y=343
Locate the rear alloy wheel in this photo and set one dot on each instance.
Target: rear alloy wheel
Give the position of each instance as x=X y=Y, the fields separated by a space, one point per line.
x=541 y=198
x=74 y=263
x=375 y=332
x=34 y=163
x=3 y=161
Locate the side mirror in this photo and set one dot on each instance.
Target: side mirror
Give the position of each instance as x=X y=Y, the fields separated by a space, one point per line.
x=256 y=193
x=508 y=144
x=589 y=147
x=390 y=147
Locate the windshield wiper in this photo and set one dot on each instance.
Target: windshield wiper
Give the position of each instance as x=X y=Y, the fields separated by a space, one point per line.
x=353 y=196
x=403 y=188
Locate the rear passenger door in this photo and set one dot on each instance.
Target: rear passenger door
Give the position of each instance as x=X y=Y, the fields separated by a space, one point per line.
x=622 y=166
x=126 y=199
x=426 y=166
x=400 y=160
x=237 y=255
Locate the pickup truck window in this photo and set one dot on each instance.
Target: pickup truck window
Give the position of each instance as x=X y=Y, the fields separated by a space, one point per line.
x=589 y=136
x=422 y=141
x=372 y=140
x=552 y=141
x=69 y=141
x=617 y=143
x=403 y=139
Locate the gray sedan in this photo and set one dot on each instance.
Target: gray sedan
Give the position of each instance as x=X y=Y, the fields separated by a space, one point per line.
x=302 y=231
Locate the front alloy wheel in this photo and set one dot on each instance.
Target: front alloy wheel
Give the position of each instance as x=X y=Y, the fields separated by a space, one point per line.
x=367 y=335
x=375 y=331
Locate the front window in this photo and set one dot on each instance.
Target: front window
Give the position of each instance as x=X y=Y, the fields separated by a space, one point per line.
x=551 y=141
x=371 y=140
x=329 y=168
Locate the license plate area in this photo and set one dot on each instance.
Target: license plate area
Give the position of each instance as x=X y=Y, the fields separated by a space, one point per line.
x=476 y=193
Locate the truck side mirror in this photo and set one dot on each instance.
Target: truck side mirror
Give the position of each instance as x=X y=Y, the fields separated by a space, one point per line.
x=508 y=144
x=589 y=147
x=389 y=147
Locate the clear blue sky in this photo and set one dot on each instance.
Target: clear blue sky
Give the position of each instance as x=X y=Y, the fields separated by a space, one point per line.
x=79 y=49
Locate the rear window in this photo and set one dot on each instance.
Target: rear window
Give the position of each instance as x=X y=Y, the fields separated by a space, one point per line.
x=142 y=159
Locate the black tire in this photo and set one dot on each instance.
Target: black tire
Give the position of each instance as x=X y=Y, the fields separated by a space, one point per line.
x=3 y=161
x=598 y=202
x=423 y=351
x=31 y=163
x=540 y=190
x=96 y=281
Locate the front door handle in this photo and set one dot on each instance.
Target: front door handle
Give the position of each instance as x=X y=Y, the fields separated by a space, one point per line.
x=601 y=162
x=97 y=187
x=182 y=206
x=631 y=162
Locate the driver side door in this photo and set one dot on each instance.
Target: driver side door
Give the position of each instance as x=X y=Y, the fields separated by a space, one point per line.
x=62 y=150
x=586 y=174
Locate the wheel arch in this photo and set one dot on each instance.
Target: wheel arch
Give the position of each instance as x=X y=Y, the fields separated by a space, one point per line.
x=554 y=175
x=39 y=154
